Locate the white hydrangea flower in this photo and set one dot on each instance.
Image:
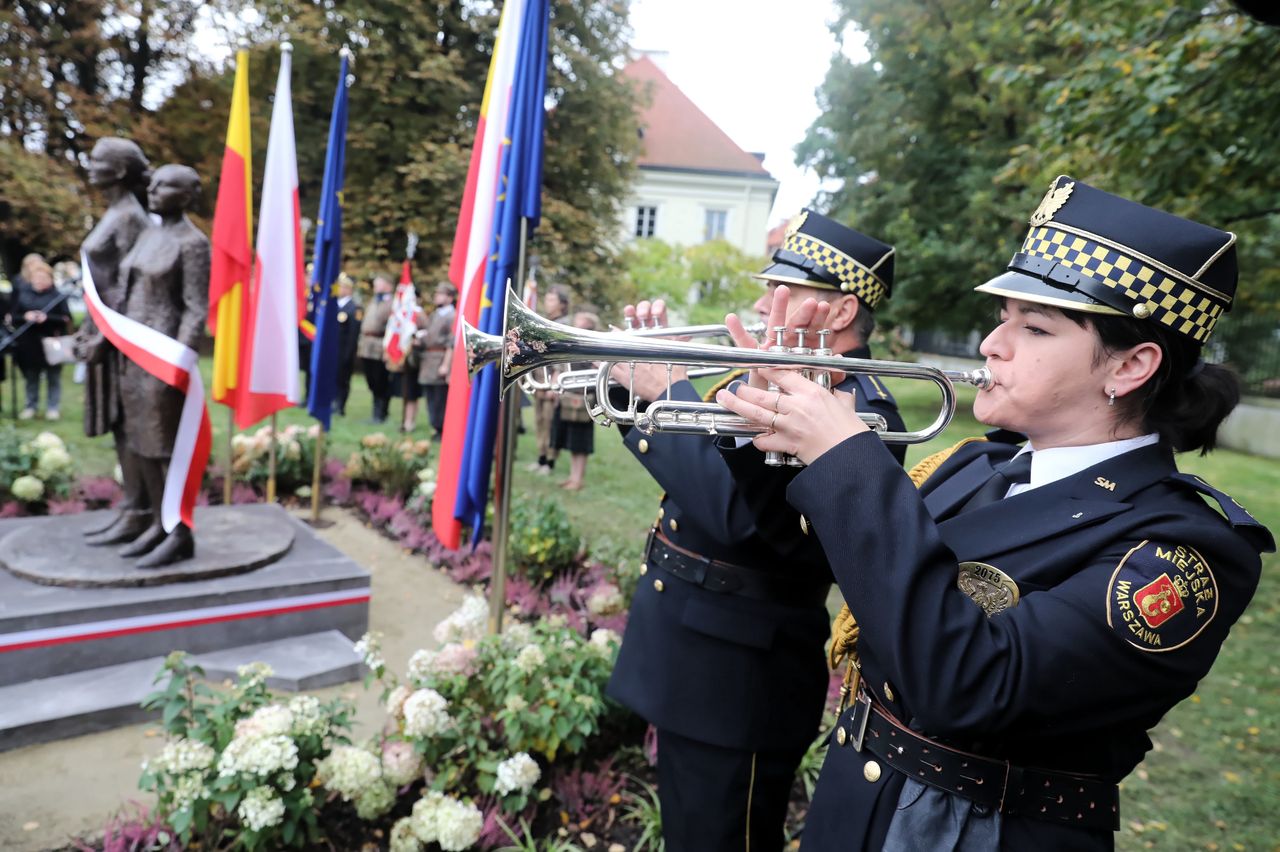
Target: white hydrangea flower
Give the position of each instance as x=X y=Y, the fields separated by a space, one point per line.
x=444 y=820
x=375 y=801
x=396 y=699
x=456 y=658
x=469 y=621
x=605 y=600
x=308 y=716
x=517 y=773
x=254 y=674
x=515 y=703
x=54 y=460
x=586 y=701
x=604 y=641
x=404 y=838
x=269 y=721
x=426 y=714
x=349 y=771
x=184 y=755
x=427 y=488
x=370 y=650
x=27 y=488
x=401 y=762
x=421 y=665
x=530 y=659
x=516 y=636
x=557 y=620
x=260 y=808
x=189 y=789
x=259 y=756
x=47 y=441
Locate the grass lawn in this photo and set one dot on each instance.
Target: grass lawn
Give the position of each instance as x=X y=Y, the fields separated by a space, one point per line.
x=1213 y=780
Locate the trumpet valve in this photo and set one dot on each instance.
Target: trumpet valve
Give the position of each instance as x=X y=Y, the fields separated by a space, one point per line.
x=823 y=334
x=779 y=334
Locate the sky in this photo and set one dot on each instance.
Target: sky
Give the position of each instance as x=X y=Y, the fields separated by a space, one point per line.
x=753 y=67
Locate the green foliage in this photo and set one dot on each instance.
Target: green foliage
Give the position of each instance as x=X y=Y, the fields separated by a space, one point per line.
x=396 y=468
x=947 y=136
x=643 y=809
x=701 y=283
x=42 y=203
x=543 y=543
x=33 y=470
x=236 y=771
x=295 y=455
x=525 y=841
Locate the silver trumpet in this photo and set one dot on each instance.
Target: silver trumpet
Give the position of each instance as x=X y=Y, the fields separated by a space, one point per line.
x=530 y=342
x=583 y=381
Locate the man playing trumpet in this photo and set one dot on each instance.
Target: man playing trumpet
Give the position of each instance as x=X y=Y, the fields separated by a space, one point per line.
x=719 y=611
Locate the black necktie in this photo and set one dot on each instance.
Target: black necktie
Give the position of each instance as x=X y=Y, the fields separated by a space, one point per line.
x=995 y=488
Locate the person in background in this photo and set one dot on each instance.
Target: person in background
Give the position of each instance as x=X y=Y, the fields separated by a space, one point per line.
x=555 y=306
x=32 y=305
x=572 y=429
x=403 y=377
x=350 y=316
x=435 y=351
x=369 y=350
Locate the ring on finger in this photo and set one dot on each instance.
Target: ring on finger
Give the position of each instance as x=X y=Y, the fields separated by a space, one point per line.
x=777 y=402
x=773 y=420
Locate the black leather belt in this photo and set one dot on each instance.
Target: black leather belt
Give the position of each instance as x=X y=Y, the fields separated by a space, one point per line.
x=722 y=577
x=1085 y=801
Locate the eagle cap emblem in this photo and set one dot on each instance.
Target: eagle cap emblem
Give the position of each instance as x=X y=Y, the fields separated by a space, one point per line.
x=1052 y=202
x=797 y=222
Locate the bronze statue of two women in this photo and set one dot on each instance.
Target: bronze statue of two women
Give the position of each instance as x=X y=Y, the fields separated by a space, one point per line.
x=158 y=274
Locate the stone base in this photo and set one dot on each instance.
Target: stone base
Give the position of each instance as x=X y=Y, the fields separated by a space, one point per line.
x=229 y=540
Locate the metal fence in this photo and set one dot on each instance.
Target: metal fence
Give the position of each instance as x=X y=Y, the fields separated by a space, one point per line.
x=1249 y=344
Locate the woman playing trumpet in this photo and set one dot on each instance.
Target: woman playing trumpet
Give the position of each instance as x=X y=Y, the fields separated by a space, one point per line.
x=1026 y=612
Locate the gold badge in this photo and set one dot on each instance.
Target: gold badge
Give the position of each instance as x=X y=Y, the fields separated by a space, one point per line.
x=988 y=587
x=1103 y=482
x=342 y=316
x=1052 y=201
x=797 y=221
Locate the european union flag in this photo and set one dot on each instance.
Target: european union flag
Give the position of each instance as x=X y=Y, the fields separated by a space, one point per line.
x=520 y=197
x=328 y=262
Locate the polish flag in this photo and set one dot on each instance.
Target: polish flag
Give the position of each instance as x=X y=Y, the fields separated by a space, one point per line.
x=278 y=294
x=404 y=320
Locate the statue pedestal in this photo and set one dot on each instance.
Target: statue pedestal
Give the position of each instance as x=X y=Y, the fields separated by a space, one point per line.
x=82 y=633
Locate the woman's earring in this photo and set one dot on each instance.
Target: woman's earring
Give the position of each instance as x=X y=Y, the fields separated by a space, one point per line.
x=1111 y=397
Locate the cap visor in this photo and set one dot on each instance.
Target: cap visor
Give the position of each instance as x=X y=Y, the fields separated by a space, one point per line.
x=785 y=273
x=1017 y=285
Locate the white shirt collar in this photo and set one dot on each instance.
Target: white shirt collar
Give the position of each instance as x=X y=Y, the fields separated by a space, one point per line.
x=1056 y=463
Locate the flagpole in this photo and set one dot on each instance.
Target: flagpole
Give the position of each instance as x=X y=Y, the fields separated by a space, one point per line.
x=507 y=433
x=315 y=479
x=271 y=463
x=226 y=480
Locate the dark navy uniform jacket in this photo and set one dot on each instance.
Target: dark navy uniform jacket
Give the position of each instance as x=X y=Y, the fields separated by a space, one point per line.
x=1127 y=585
x=725 y=669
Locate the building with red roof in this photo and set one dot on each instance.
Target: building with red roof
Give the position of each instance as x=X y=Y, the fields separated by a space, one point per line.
x=694 y=183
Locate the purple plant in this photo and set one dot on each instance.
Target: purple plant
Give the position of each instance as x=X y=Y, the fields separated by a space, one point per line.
x=492 y=835
x=402 y=524
x=523 y=594
x=71 y=506
x=368 y=500
x=564 y=587
x=12 y=509
x=99 y=490
x=242 y=493
x=386 y=508
x=134 y=832
x=339 y=491
x=651 y=745
x=333 y=469
x=585 y=794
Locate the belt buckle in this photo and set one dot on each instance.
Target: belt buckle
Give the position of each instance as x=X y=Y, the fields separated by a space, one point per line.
x=861 y=715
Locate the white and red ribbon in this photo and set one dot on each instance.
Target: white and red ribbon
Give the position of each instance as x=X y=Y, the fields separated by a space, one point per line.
x=178 y=366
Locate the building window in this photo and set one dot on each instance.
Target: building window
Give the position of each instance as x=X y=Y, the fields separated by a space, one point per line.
x=715 y=225
x=646 y=221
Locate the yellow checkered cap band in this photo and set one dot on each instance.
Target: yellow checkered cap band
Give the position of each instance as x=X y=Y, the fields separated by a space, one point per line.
x=854 y=277
x=1173 y=302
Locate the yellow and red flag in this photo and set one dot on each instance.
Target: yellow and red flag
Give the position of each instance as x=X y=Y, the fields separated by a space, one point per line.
x=232 y=247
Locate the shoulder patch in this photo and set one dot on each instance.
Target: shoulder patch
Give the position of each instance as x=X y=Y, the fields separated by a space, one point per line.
x=1236 y=514
x=926 y=466
x=1161 y=596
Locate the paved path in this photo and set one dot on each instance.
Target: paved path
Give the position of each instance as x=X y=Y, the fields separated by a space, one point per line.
x=51 y=792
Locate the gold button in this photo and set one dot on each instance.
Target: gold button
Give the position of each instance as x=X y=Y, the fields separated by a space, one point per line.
x=662 y=512
x=657 y=585
x=871 y=771
x=643 y=445
x=674 y=525
x=644 y=569
x=888 y=691
x=804 y=525
x=842 y=736
x=1142 y=311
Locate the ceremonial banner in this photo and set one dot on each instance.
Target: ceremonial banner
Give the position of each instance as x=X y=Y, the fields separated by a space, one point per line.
x=398 y=339
x=328 y=261
x=232 y=256
x=277 y=298
x=503 y=186
x=177 y=365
